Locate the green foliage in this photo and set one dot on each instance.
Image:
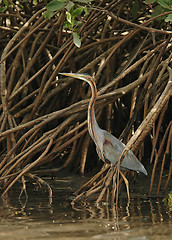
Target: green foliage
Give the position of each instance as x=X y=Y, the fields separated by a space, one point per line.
x=159 y=7
x=75 y=11
x=69 y=5
x=55 y=5
x=76 y=39
x=71 y=17
x=5 y=3
x=48 y=14
x=168 y=201
x=2 y=9
x=169 y=18
x=165 y=4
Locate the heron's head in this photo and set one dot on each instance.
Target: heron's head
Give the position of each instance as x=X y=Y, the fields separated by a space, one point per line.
x=82 y=76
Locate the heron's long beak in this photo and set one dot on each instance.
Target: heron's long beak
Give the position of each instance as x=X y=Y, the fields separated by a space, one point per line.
x=79 y=76
x=75 y=75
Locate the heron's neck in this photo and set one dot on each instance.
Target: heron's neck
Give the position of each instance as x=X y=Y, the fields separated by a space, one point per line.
x=92 y=123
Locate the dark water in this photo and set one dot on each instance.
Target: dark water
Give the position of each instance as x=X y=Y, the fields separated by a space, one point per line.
x=144 y=218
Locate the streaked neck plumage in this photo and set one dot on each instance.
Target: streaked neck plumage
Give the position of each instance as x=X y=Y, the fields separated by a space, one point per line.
x=95 y=131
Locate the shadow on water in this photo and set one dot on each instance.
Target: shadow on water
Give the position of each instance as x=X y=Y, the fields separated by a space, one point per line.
x=144 y=218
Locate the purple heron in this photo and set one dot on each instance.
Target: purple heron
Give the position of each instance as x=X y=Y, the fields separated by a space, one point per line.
x=108 y=147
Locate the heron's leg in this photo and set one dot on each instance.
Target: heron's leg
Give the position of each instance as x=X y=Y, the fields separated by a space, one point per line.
x=126 y=184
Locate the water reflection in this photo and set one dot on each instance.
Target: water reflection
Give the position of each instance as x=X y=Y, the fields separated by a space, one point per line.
x=142 y=218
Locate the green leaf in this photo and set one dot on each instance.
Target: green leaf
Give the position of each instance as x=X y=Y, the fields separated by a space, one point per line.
x=149 y=2
x=66 y=25
x=84 y=1
x=69 y=17
x=35 y=2
x=164 y=4
x=169 y=18
x=86 y=10
x=48 y=14
x=77 y=11
x=6 y=2
x=157 y=11
x=76 y=39
x=2 y=9
x=69 y=5
x=55 y=5
x=168 y=201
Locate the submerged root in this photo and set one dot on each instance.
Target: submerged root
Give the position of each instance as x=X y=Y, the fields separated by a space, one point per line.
x=103 y=186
